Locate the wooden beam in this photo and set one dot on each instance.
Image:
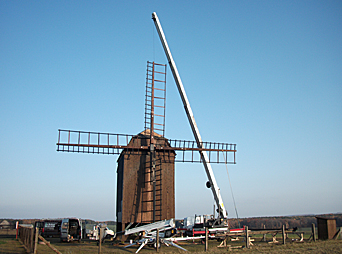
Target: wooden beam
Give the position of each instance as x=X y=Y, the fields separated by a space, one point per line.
x=49 y=245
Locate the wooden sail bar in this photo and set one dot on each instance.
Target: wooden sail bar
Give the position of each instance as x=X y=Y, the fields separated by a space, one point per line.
x=110 y=143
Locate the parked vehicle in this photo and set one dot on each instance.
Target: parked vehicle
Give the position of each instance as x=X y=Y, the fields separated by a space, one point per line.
x=194 y=225
x=71 y=230
x=49 y=227
x=107 y=234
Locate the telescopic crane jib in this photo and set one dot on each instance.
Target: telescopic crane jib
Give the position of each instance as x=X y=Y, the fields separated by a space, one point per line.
x=213 y=185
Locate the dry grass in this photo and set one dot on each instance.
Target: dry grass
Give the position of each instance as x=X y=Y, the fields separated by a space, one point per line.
x=11 y=245
x=8 y=232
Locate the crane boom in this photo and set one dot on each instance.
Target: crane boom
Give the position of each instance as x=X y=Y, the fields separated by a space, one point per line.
x=214 y=187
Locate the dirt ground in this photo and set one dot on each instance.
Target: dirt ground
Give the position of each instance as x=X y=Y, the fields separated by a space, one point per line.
x=8 y=244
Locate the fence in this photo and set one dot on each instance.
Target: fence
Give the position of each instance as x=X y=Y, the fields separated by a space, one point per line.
x=26 y=236
x=29 y=238
x=250 y=235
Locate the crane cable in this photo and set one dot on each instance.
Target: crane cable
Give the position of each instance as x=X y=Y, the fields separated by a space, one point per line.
x=231 y=190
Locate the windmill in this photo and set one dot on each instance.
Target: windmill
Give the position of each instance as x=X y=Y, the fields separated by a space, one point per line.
x=152 y=147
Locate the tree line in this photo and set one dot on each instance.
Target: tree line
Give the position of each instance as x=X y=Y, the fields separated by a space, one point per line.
x=275 y=222
x=302 y=221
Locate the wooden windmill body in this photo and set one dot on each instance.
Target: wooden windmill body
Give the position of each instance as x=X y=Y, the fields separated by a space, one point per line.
x=137 y=201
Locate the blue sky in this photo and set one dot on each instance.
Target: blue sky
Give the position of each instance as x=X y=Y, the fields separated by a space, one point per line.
x=266 y=75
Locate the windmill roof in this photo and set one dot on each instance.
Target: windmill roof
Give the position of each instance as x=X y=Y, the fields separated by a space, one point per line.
x=147 y=133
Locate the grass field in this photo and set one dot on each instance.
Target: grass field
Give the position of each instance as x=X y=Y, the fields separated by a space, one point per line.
x=8 y=244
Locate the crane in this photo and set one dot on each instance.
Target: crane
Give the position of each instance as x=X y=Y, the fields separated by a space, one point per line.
x=210 y=174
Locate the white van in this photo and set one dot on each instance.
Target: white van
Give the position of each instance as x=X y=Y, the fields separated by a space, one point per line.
x=71 y=230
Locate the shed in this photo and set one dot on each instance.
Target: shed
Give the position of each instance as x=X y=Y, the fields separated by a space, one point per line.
x=326 y=228
x=5 y=225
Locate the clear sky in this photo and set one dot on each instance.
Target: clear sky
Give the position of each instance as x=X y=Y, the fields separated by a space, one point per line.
x=266 y=75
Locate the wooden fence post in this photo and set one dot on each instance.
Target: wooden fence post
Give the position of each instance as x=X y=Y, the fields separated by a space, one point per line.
x=206 y=238
x=284 y=234
x=100 y=239
x=247 y=237
x=157 y=240
x=36 y=241
x=313 y=232
x=32 y=239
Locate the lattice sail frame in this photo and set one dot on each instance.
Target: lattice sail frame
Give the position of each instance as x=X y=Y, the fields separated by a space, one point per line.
x=110 y=143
